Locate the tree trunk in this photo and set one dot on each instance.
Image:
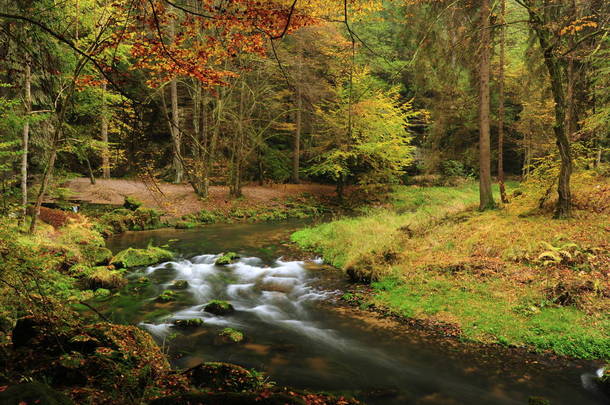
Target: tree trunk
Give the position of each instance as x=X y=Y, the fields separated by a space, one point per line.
x=178 y=172
x=46 y=178
x=501 y=109
x=104 y=136
x=238 y=145
x=25 y=142
x=90 y=169
x=485 y=191
x=296 y=154
x=175 y=122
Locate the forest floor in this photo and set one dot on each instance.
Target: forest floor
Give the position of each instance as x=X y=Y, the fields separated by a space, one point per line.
x=511 y=276
x=177 y=200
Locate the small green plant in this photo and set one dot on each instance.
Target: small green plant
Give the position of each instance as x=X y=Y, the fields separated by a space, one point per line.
x=567 y=253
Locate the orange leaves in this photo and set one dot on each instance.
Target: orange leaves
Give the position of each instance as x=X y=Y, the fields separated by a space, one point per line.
x=168 y=41
x=579 y=25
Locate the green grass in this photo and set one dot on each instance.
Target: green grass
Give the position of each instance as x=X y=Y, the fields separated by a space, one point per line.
x=485 y=315
x=350 y=241
x=437 y=258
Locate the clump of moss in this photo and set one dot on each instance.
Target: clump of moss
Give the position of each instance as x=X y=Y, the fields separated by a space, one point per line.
x=538 y=401
x=230 y=335
x=166 y=296
x=226 y=259
x=103 y=277
x=219 y=307
x=132 y=203
x=180 y=285
x=185 y=225
x=141 y=257
x=188 y=323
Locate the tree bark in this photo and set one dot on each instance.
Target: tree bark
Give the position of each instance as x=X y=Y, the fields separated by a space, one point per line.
x=26 y=140
x=46 y=178
x=485 y=191
x=501 y=109
x=175 y=122
x=296 y=154
x=104 y=136
x=553 y=65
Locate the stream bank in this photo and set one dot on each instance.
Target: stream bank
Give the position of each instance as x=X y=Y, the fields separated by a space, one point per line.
x=315 y=342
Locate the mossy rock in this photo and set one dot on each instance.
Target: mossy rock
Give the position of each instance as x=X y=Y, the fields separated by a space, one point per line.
x=180 y=285
x=230 y=336
x=185 y=225
x=96 y=255
x=538 y=401
x=33 y=393
x=167 y=296
x=604 y=381
x=219 y=307
x=226 y=259
x=102 y=277
x=132 y=203
x=188 y=323
x=230 y=398
x=223 y=376
x=141 y=257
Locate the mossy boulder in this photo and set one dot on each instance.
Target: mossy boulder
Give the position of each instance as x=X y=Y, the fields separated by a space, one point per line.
x=185 y=225
x=229 y=336
x=100 y=360
x=33 y=393
x=604 y=381
x=141 y=257
x=104 y=278
x=538 y=401
x=226 y=259
x=132 y=203
x=223 y=376
x=96 y=255
x=167 y=296
x=219 y=307
x=188 y=323
x=180 y=285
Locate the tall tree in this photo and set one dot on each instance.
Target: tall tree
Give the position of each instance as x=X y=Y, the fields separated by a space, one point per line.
x=486 y=200
x=502 y=102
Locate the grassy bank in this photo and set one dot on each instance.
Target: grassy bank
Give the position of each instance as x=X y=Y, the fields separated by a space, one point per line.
x=511 y=276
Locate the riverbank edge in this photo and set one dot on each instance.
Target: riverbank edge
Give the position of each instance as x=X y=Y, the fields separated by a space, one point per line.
x=57 y=350
x=326 y=240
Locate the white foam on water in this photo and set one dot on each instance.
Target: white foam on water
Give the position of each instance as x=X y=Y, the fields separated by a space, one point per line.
x=276 y=295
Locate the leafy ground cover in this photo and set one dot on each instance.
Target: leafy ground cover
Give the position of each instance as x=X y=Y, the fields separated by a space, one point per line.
x=511 y=276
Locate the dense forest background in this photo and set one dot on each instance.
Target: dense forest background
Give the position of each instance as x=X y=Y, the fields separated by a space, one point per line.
x=357 y=92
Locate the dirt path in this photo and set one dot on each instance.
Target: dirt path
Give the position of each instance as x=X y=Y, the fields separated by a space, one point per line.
x=179 y=199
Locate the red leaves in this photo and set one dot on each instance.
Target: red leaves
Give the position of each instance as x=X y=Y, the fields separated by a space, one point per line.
x=167 y=42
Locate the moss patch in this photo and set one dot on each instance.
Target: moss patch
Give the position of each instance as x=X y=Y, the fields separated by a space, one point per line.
x=219 y=307
x=141 y=257
x=226 y=259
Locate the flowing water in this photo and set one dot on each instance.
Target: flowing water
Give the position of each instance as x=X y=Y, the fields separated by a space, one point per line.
x=298 y=334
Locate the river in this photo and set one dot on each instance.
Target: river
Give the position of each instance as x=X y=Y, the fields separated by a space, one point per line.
x=299 y=333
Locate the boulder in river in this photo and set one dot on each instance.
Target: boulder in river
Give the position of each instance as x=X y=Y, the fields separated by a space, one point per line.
x=180 y=285
x=166 y=296
x=538 y=401
x=140 y=257
x=229 y=336
x=226 y=259
x=603 y=381
x=188 y=323
x=223 y=376
x=219 y=307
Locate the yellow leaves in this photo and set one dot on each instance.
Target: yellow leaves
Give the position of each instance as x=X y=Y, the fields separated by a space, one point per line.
x=579 y=25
